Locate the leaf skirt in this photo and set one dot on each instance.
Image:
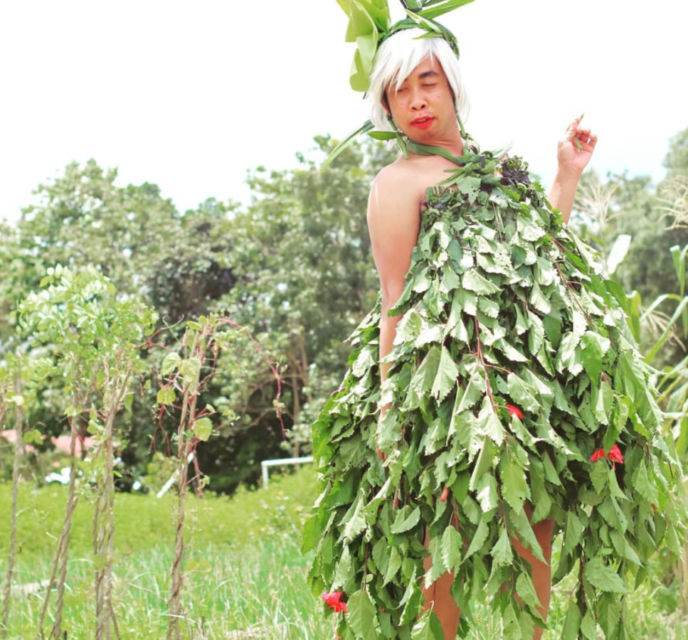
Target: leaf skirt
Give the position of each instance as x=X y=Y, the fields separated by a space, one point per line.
x=515 y=389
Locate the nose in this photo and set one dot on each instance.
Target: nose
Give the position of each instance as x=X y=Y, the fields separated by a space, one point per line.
x=418 y=101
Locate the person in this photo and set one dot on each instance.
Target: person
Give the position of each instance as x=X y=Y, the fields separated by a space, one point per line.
x=494 y=396
x=411 y=87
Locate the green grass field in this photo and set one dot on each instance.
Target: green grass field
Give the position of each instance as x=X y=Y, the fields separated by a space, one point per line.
x=245 y=573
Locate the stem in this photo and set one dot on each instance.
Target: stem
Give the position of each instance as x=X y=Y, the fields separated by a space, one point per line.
x=18 y=452
x=103 y=534
x=60 y=564
x=177 y=577
x=479 y=353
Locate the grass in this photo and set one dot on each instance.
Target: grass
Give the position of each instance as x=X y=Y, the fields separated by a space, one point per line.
x=245 y=574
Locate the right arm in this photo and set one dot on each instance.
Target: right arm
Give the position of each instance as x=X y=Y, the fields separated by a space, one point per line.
x=393 y=221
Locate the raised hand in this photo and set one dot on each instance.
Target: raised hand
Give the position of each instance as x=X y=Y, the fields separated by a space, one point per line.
x=575 y=149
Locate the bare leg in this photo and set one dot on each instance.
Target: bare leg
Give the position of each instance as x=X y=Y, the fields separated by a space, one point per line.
x=438 y=597
x=542 y=573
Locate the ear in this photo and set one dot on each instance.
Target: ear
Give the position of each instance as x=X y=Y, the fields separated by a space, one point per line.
x=385 y=104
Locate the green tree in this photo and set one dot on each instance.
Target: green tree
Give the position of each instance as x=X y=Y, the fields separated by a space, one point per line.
x=305 y=278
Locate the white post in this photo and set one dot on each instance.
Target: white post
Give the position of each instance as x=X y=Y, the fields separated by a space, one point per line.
x=173 y=477
x=275 y=462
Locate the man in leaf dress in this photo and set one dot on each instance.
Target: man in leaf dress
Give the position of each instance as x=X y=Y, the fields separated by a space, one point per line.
x=495 y=396
x=411 y=91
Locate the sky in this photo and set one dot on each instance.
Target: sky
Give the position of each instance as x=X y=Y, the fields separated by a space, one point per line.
x=190 y=96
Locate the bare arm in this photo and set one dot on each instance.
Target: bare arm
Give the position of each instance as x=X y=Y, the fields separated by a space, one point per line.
x=572 y=161
x=393 y=219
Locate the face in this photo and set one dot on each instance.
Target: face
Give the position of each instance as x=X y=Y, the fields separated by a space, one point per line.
x=423 y=106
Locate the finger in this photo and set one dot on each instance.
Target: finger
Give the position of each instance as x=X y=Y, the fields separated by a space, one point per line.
x=572 y=128
x=585 y=136
x=587 y=144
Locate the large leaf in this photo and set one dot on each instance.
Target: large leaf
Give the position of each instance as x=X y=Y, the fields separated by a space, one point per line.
x=440 y=9
x=361 y=615
x=406 y=519
x=365 y=128
x=603 y=577
x=445 y=380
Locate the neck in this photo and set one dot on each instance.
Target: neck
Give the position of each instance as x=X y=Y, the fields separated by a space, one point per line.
x=453 y=144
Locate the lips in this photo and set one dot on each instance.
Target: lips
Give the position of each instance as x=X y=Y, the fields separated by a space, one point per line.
x=422 y=122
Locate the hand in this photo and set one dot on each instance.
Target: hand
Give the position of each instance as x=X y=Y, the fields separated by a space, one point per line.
x=575 y=149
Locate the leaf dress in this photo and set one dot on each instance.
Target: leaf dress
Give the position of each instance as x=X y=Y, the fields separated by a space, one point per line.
x=511 y=366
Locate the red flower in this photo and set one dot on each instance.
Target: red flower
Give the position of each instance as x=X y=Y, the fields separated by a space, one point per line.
x=514 y=411
x=614 y=455
x=597 y=455
x=333 y=601
x=445 y=494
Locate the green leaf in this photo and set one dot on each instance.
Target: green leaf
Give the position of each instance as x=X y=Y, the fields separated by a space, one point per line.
x=406 y=519
x=603 y=577
x=513 y=482
x=501 y=552
x=365 y=128
x=203 y=428
x=473 y=281
x=484 y=462
x=510 y=626
x=520 y=393
x=382 y=135
x=487 y=492
x=170 y=363
x=572 y=623
x=521 y=527
x=32 y=436
x=190 y=369
x=526 y=590
x=342 y=573
x=479 y=538
x=574 y=531
x=490 y=423
x=540 y=495
x=644 y=484
x=355 y=522
x=440 y=9
x=393 y=566
x=469 y=185
x=166 y=395
x=589 y=626
x=424 y=378
x=361 y=615
x=451 y=548
x=592 y=348
x=428 y=627
x=312 y=532
x=445 y=380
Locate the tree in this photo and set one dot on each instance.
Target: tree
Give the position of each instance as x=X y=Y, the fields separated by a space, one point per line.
x=305 y=277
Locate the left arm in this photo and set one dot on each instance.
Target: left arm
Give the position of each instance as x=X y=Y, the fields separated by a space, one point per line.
x=571 y=163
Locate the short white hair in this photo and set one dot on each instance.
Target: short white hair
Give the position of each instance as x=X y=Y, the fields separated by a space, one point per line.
x=397 y=57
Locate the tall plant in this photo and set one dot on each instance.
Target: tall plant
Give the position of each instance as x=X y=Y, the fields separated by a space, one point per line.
x=185 y=374
x=93 y=340
x=11 y=396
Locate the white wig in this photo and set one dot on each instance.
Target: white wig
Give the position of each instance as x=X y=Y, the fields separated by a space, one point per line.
x=397 y=57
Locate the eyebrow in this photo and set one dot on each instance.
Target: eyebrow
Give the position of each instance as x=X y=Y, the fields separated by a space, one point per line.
x=428 y=74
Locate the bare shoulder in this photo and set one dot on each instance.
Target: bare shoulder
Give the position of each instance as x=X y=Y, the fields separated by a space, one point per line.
x=397 y=189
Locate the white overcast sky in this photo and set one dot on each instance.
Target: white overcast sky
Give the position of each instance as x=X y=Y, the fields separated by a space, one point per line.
x=190 y=95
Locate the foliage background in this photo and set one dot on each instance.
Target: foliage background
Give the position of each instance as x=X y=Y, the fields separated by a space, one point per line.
x=294 y=268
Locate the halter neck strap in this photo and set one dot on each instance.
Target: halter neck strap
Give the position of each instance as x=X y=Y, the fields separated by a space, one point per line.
x=432 y=150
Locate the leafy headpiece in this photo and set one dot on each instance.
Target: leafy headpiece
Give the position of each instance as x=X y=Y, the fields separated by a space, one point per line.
x=369 y=25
